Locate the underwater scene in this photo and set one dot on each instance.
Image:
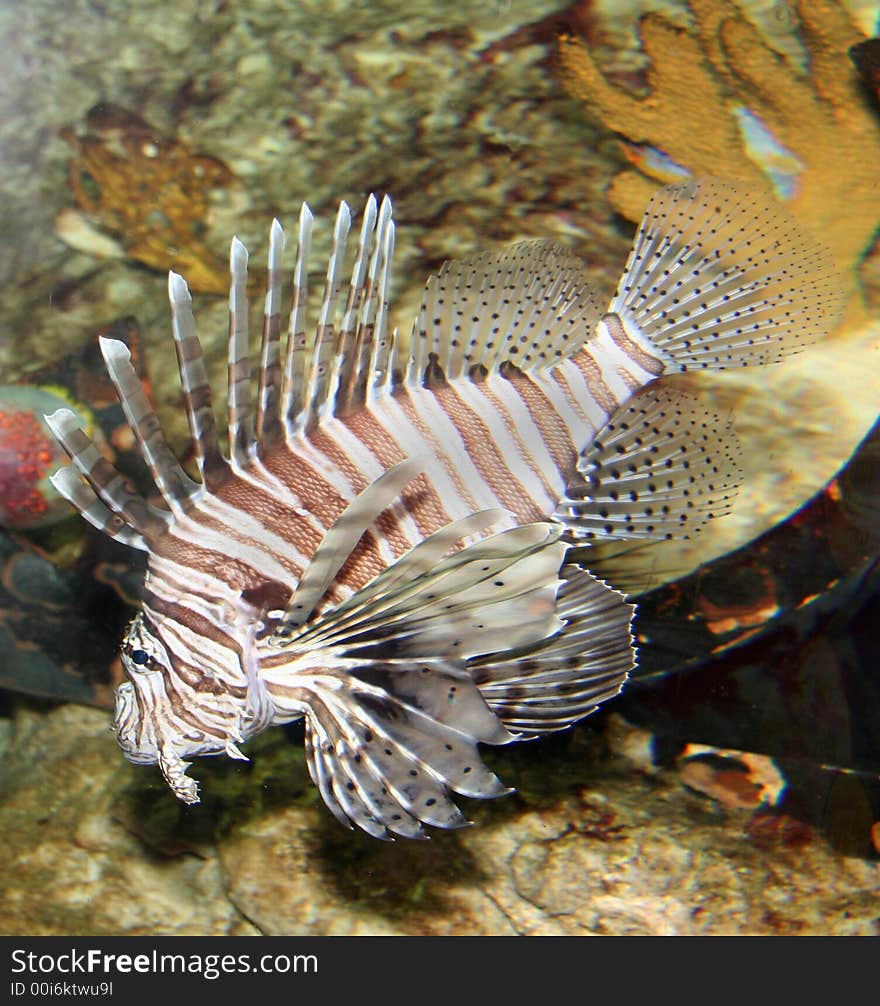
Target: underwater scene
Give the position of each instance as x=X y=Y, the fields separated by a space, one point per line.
x=440 y=467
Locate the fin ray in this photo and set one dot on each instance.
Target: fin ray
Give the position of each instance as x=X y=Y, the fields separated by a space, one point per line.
x=177 y=488
x=343 y=536
x=324 y=347
x=502 y=587
x=297 y=354
x=69 y=485
x=194 y=381
x=269 y=392
x=108 y=485
x=384 y=764
x=239 y=404
x=552 y=684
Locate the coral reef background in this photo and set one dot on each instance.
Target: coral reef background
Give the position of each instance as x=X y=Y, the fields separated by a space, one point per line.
x=722 y=101
x=138 y=138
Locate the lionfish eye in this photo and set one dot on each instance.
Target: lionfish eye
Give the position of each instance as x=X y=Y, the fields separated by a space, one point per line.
x=140 y=657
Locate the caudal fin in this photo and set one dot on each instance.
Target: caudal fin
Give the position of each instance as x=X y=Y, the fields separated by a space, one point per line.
x=720 y=277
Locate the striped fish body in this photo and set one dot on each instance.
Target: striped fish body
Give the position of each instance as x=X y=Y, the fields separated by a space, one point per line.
x=385 y=551
x=510 y=442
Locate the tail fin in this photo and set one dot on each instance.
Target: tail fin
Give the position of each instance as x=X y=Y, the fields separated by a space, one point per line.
x=719 y=277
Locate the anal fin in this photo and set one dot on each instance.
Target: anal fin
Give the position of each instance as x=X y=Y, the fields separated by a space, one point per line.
x=660 y=469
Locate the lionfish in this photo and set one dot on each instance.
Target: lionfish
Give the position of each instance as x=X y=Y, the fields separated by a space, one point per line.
x=386 y=551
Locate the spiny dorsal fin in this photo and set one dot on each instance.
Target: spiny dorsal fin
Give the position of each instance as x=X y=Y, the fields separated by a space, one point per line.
x=298 y=347
x=240 y=405
x=177 y=488
x=662 y=466
x=269 y=427
x=366 y=351
x=345 y=364
x=111 y=504
x=526 y=304
x=213 y=467
x=346 y=361
x=325 y=350
x=86 y=500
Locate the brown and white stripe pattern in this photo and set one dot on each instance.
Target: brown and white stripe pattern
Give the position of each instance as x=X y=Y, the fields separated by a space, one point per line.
x=355 y=459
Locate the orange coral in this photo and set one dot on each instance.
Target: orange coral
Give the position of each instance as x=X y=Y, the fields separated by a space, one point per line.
x=701 y=84
x=148 y=191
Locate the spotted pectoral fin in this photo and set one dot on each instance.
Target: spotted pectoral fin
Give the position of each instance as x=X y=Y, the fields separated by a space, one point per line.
x=386 y=742
x=498 y=592
x=550 y=685
x=393 y=718
x=660 y=469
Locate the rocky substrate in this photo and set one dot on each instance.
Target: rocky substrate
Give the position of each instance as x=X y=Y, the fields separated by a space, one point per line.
x=594 y=841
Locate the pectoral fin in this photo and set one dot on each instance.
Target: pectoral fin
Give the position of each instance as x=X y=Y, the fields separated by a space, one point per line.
x=386 y=743
x=393 y=718
x=550 y=685
x=496 y=593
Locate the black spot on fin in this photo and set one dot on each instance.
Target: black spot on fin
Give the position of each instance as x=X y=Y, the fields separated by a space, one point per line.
x=386 y=744
x=720 y=277
x=546 y=687
x=660 y=469
x=527 y=301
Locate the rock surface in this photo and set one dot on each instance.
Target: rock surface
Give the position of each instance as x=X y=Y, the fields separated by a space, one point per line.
x=592 y=843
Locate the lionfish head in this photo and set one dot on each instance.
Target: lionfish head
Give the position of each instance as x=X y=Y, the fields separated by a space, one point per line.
x=159 y=720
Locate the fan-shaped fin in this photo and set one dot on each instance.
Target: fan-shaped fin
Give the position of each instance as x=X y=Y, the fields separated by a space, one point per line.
x=552 y=684
x=527 y=304
x=386 y=744
x=497 y=593
x=721 y=277
x=661 y=468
